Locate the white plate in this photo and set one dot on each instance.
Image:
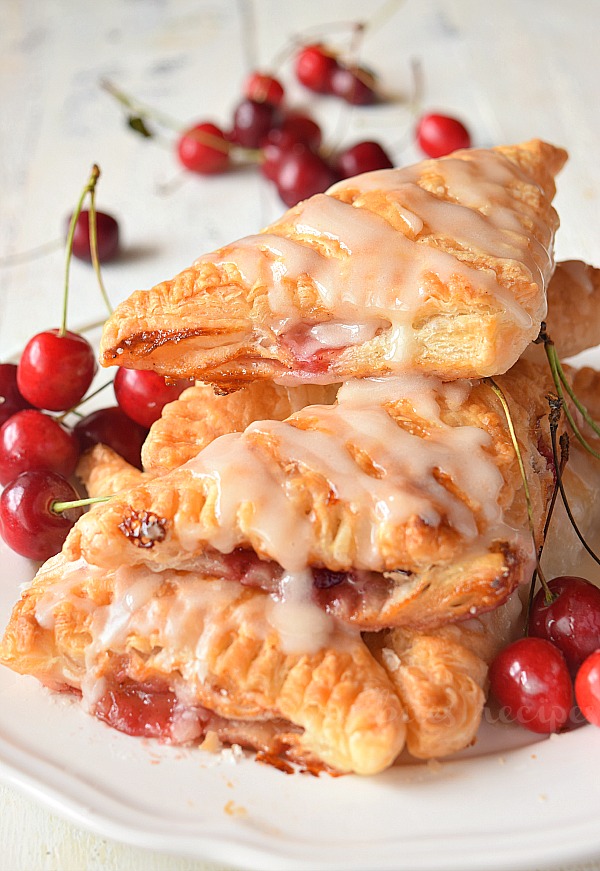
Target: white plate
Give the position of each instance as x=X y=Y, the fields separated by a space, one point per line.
x=513 y=802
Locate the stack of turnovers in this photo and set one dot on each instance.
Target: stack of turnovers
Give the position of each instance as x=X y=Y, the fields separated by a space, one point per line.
x=316 y=571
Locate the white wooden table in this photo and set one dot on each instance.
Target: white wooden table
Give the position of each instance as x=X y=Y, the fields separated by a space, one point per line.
x=512 y=70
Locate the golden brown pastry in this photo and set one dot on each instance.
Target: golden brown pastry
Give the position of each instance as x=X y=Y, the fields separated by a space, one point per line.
x=441 y=676
x=438 y=268
x=573 y=320
x=172 y=655
x=403 y=502
x=105 y=472
x=199 y=415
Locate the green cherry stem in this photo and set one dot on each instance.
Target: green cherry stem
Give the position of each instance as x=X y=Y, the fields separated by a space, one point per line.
x=58 y=507
x=513 y=436
x=94 y=248
x=85 y=399
x=91 y=184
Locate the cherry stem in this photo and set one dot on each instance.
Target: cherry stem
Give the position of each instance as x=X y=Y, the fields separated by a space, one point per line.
x=142 y=111
x=513 y=436
x=554 y=419
x=564 y=444
x=91 y=184
x=561 y=381
x=91 y=395
x=93 y=230
x=58 y=507
x=138 y=108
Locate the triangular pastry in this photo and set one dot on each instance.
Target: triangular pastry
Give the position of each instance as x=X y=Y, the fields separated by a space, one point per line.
x=199 y=415
x=402 y=503
x=437 y=268
x=174 y=656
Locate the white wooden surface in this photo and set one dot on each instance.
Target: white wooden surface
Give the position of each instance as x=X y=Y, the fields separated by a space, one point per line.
x=512 y=69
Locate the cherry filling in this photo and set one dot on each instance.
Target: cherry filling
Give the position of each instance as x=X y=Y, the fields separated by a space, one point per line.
x=347 y=594
x=140 y=709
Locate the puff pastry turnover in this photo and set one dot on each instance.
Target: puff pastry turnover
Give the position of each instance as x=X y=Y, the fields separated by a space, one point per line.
x=438 y=268
x=172 y=655
x=403 y=502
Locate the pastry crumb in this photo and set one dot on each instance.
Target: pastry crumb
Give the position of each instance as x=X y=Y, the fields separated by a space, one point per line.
x=233 y=754
x=211 y=743
x=234 y=810
x=434 y=765
x=501 y=760
x=542 y=796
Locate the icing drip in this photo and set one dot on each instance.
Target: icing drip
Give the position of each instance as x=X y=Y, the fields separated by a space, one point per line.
x=259 y=492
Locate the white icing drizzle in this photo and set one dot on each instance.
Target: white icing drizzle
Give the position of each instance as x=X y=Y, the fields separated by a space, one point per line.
x=253 y=486
x=374 y=272
x=301 y=625
x=184 y=620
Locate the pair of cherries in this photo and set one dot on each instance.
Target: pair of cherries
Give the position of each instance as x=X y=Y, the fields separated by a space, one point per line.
x=38 y=451
x=535 y=678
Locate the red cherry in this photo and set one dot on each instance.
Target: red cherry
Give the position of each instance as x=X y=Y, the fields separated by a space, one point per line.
x=142 y=395
x=587 y=688
x=204 y=149
x=55 y=371
x=276 y=146
x=263 y=88
x=315 y=68
x=302 y=129
x=33 y=440
x=11 y=400
x=251 y=123
x=107 y=234
x=355 y=86
x=27 y=522
x=302 y=173
x=362 y=157
x=112 y=427
x=531 y=681
x=439 y=135
x=571 y=621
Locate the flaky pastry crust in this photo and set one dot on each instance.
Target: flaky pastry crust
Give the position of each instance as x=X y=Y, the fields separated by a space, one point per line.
x=205 y=649
x=459 y=291
x=417 y=571
x=200 y=415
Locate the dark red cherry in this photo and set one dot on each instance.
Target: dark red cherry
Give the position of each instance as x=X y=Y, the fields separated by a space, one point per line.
x=302 y=173
x=587 y=688
x=301 y=128
x=263 y=88
x=315 y=67
x=530 y=679
x=251 y=122
x=55 y=370
x=11 y=399
x=112 y=427
x=439 y=135
x=27 y=522
x=31 y=439
x=362 y=157
x=203 y=148
x=355 y=86
x=142 y=395
x=571 y=621
x=107 y=234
